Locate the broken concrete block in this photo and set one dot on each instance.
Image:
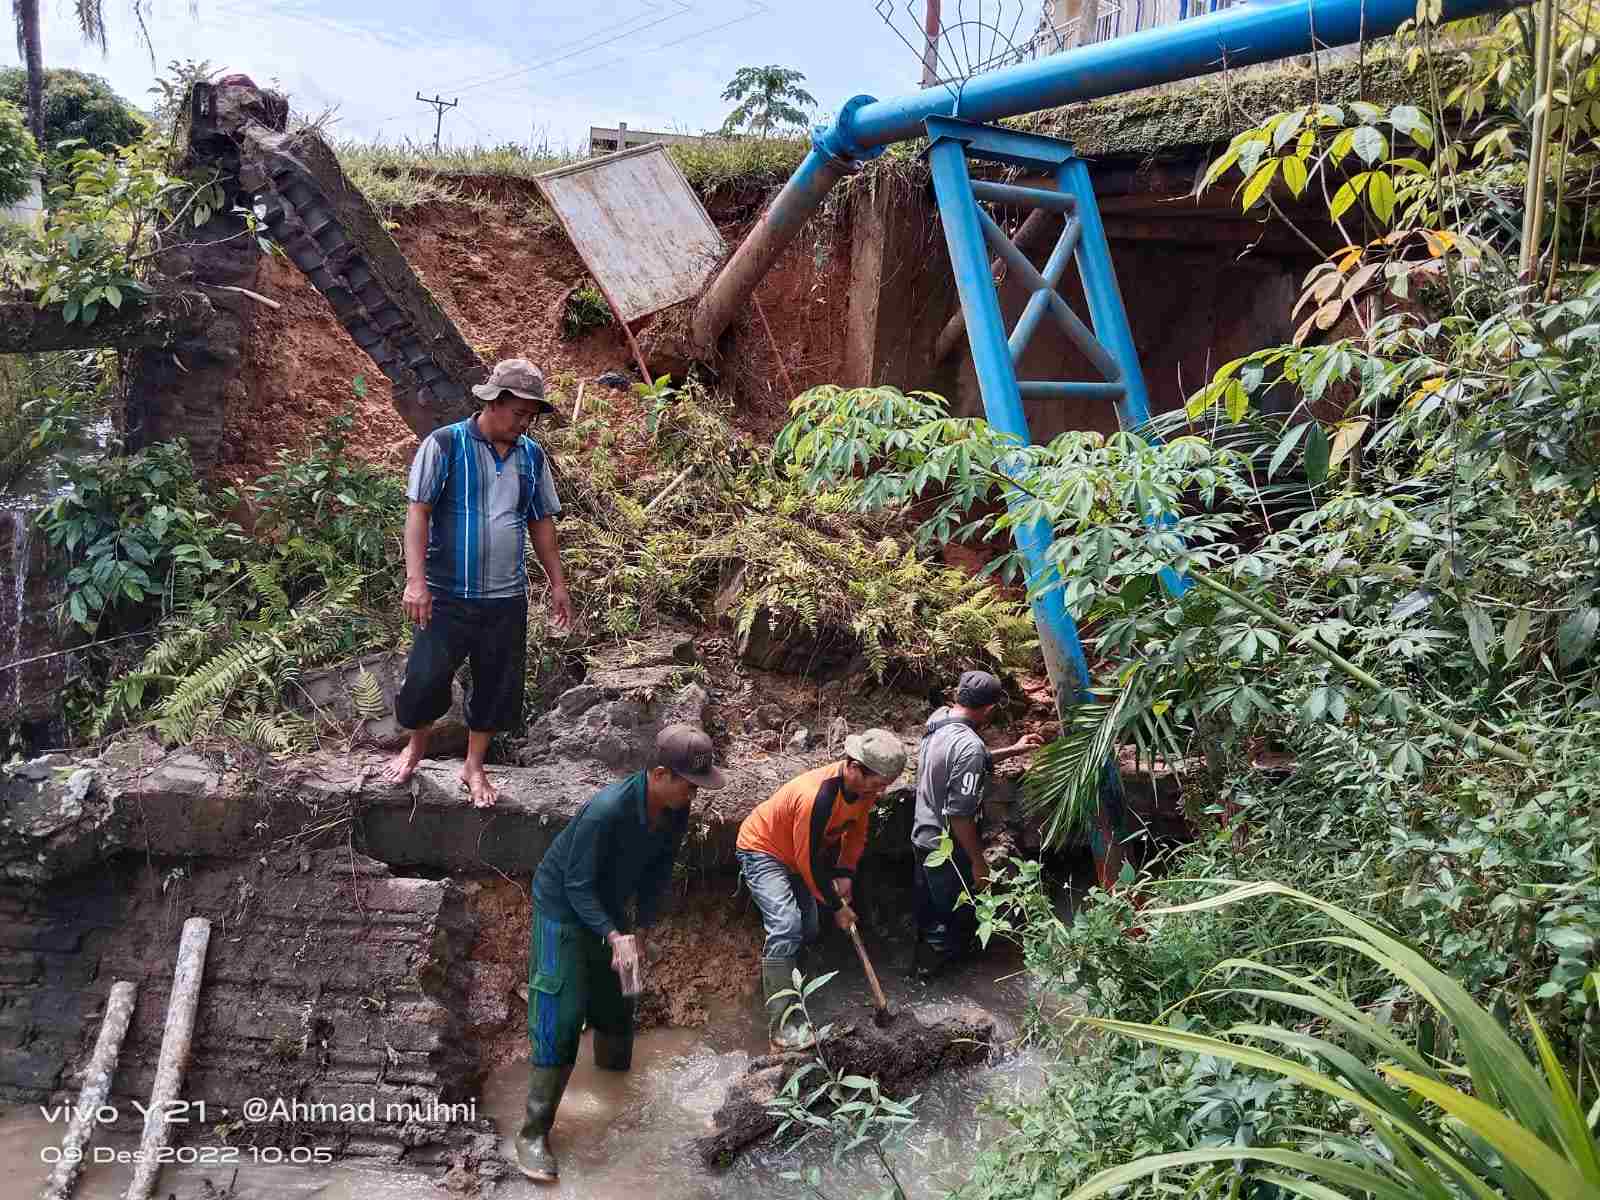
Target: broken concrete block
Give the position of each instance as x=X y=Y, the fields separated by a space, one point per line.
x=330 y=702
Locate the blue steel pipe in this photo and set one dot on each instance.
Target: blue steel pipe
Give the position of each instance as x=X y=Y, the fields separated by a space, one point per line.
x=1250 y=33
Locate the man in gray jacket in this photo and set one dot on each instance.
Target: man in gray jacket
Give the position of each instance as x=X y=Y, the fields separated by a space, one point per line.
x=953 y=770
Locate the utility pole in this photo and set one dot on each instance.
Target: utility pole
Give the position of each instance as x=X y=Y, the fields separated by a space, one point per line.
x=440 y=105
x=930 y=52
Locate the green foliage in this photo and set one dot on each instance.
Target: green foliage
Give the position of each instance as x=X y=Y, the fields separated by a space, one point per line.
x=322 y=495
x=768 y=97
x=850 y=1111
x=45 y=401
x=236 y=621
x=19 y=157
x=77 y=107
x=170 y=93
x=586 y=309
x=1363 y=141
x=108 y=216
x=728 y=528
x=139 y=535
x=1516 y=1128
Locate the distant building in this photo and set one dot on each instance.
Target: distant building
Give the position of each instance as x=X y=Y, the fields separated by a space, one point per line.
x=1065 y=24
x=609 y=141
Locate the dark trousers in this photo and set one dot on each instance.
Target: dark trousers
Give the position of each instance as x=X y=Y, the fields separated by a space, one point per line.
x=492 y=636
x=947 y=924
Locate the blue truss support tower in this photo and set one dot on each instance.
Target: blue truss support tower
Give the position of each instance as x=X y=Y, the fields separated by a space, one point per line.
x=972 y=236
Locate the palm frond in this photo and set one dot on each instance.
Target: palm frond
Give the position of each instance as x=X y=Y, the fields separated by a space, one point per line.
x=1062 y=789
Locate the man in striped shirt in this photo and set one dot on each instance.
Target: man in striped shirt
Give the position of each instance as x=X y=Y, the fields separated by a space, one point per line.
x=480 y=490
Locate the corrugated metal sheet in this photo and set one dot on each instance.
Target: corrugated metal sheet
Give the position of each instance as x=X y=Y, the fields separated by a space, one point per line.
x=638 y=227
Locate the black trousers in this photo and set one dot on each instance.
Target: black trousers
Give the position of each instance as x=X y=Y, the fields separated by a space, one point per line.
x=945 y=923
x=491 y=635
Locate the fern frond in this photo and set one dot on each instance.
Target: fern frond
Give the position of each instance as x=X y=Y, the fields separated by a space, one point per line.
x=215 y=680
x=264 y=582
x=366 y=694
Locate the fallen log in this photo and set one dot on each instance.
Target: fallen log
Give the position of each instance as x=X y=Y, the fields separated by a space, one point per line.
x=174 y=1060
x=899 y=1058
x=163 y=318
x=96 y=1086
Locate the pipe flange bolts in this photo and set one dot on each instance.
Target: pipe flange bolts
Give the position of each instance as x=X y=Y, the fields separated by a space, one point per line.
x=836 y=141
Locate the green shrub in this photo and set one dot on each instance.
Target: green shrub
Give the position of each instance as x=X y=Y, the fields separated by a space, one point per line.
x=19 y=157
x=139 y=535
x=586 y=309
x=45 y=401
x=77 y=106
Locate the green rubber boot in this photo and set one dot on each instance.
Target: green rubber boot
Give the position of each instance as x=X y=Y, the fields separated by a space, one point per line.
x=535 y=1159
x=785 y=1034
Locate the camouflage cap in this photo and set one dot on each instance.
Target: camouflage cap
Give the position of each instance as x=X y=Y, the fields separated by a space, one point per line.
x=517 y=376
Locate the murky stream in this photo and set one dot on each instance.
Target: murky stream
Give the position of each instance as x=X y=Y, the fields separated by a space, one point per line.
x=625 y=1137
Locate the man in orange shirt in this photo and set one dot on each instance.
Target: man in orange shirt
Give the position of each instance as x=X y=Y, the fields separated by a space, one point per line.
x=800 y=848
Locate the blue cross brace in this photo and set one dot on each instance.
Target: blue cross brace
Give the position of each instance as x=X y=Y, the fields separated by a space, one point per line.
x=971 y=233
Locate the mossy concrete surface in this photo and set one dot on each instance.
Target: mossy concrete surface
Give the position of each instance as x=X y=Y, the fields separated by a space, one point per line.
x=1191 y=118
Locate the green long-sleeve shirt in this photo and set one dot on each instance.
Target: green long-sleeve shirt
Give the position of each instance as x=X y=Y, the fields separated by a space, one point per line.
x=607 y=854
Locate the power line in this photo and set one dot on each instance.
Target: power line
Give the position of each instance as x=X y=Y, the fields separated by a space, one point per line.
x=592 y=42
x=757 y=8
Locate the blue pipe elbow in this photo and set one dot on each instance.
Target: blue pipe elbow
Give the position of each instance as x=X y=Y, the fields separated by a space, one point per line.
x=838 y=140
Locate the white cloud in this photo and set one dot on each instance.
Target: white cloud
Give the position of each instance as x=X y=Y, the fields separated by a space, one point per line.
x=369 y=58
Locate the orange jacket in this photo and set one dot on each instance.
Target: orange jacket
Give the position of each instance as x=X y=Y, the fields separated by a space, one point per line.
x=803 y=819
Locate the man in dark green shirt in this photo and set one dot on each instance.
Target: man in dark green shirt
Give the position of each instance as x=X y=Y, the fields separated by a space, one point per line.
x=621 y=846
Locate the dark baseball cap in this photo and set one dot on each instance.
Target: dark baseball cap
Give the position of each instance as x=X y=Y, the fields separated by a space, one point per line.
x=686 y=751
x=978 y=689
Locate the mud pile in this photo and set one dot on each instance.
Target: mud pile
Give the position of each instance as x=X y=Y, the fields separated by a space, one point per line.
x=899 y=1057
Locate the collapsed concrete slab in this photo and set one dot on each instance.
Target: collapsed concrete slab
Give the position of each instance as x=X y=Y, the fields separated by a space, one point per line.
x=899 y=1057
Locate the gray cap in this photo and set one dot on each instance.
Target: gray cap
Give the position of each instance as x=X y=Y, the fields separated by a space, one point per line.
x=878 y=750
x=517 y=376
x=978 y=689
x=686 y=751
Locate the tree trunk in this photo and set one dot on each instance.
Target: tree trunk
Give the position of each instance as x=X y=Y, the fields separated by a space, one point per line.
x=32 y=53
x=25 y=328
x=96 y=1086
x=174 y=1060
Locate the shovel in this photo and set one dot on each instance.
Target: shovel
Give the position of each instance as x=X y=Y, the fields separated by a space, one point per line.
x=886 y=1012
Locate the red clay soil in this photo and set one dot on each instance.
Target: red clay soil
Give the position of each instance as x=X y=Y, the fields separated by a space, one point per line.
x=504 y=280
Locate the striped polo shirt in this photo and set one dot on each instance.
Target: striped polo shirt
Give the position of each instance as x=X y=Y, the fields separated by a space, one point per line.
x=482 y=503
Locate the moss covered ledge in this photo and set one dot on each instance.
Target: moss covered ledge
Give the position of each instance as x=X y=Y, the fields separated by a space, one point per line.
x=1183 y=119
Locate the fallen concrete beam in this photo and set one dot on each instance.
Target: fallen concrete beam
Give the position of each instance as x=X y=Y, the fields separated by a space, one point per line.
x=26 y=328
x=899 y=1057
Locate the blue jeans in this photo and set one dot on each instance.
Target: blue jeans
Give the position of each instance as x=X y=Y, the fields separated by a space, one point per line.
x=788 y=909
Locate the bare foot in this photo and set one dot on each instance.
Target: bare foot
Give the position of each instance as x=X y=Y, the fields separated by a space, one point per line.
x=477 y=781
x=404 y=764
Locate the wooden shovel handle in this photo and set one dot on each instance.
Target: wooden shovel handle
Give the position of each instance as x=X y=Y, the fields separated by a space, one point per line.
x=866 y=963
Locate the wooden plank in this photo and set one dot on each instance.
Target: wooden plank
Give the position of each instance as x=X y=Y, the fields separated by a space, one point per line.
x=638 y=227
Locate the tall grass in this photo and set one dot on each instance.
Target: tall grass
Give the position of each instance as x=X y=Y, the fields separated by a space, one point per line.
x=401 y=175
x=1500 y=1122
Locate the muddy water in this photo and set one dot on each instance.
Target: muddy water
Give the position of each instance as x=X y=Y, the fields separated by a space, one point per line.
x=624 y=1137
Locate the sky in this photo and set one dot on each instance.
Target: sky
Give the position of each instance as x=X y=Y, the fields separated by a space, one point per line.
x=541 y=72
